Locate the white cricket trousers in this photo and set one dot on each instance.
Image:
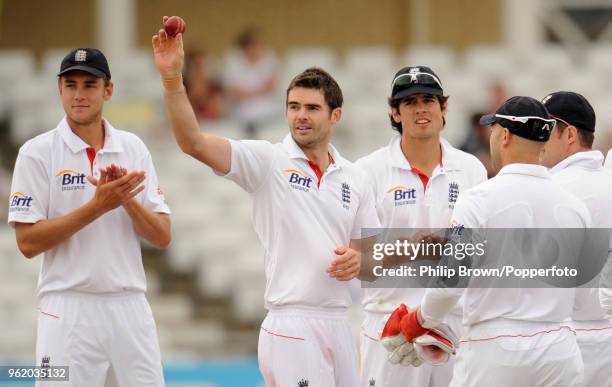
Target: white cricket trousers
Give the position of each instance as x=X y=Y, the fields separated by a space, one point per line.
x=506 y=353
x=595 y=343
x=307 y=347
x=376 y=371
x=105 y=340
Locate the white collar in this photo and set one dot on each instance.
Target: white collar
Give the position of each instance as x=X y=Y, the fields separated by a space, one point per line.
x=76 y=144
x=535 y=170
x=398 y=159
x=588 y=160
x=295 y=152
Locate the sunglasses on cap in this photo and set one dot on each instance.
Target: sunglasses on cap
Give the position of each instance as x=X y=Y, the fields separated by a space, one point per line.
x=561 y=120
x=413 y=79
x=535 y=123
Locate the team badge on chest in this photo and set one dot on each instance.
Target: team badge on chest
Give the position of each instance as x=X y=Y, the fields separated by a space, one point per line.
x=453 y=193
x=346 y=196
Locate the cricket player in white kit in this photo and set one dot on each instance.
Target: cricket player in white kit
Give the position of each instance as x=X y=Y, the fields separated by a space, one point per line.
x=578 y=169
x=605 y=291
x=514 y=336
x=72 y=203
x=416 y=181
x=309 y=208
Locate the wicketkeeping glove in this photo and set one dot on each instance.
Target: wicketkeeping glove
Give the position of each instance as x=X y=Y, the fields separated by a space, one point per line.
x=436 y=346
x=393 y=339
x=409 y=343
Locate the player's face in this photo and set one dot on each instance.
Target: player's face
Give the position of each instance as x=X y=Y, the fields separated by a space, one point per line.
x=495 y=143
x=554 y=149
x=421 y=115
x=309 y=117
x=83 y=96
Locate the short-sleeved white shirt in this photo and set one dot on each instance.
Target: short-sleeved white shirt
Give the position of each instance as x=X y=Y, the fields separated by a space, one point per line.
x=49 y=181
x=520 y=196
x=608 y=163
x=605 y=294
x=406 y=200
x=299 y=223
x=583 y=175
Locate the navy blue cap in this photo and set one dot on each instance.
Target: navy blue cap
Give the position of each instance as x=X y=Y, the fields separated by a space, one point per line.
x=415 y=80
x=90 y=60
x=572 y=108
x=536 y=128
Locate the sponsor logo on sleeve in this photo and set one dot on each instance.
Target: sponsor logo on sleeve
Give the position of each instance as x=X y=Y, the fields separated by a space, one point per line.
x=19 y=201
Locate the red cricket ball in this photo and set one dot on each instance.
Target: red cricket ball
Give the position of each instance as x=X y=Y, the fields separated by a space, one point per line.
x=175 y=25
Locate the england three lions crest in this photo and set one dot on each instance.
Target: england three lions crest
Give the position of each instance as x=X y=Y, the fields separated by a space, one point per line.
x=346 y=195
x=453 y=193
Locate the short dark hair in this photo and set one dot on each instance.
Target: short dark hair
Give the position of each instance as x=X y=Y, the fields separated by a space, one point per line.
x=394 y=104
x=317 y=78
x=585 y=137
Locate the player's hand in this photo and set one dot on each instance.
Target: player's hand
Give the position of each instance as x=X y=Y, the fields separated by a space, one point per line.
x=115 y=172
x=347 y=264
x=427 y=239
x=111 y=194
x=168 y=53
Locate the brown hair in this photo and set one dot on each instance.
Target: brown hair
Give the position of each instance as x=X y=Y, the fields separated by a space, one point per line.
x=585 y=137
x=316 y=78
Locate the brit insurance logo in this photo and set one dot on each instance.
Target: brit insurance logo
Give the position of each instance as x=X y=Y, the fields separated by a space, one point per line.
x=402 y=195
x=71 y=180
x=19 y=201
x=298 y=180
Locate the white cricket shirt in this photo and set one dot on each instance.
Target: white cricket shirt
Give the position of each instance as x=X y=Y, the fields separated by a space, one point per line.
x=520 y=196
x=608 y=163
x=300 y=220
x=583 y=175
x=407 y=198
x=49 y=181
